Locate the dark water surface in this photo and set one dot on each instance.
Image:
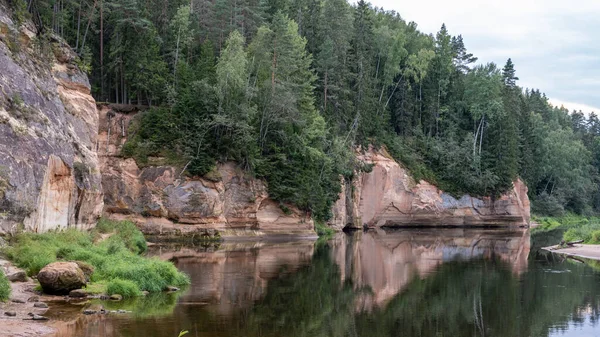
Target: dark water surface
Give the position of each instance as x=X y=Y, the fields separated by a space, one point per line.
x=441 y=282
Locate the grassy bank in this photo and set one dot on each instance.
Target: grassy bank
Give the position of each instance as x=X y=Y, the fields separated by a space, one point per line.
x=114 y=249
x=572 y=227
x=4 y=287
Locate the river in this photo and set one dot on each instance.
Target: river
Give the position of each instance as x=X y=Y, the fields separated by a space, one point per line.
x=421 y=282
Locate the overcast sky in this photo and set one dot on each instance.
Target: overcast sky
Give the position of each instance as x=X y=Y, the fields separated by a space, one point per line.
x=555 y=44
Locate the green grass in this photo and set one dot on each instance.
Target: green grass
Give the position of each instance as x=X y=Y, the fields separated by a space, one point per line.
x=4 y=287
x=124 y=288
x=575 y=227
x=323 y=230
x=115 y=259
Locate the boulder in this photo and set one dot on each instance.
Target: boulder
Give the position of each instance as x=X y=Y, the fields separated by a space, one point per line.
x=18 y=276
x=87 y=269
x=41 y=305
x=78 y=293
x=116 y=297
x=10 y=313
x=59 y=278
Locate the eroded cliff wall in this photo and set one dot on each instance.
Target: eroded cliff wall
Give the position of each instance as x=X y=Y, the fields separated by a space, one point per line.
x=388 y=196
x=166 y=203
x=49 y=174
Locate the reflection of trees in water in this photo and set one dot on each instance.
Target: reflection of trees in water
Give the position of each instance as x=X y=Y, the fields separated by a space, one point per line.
x=477 y=298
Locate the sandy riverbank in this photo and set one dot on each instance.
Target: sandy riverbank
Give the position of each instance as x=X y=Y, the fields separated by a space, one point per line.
x=578 y=250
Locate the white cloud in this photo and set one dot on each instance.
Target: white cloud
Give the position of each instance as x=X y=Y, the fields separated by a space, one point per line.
x=587 y=109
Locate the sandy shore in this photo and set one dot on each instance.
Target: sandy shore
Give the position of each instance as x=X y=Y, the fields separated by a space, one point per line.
x=578 y=250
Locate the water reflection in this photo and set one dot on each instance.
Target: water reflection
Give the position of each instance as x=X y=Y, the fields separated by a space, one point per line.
x=398 y=283
x=386 y=261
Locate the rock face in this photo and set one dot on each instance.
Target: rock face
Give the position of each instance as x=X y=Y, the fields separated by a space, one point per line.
x=59 y=278
x=166 y=203
x=388 y=196
x=49 y=174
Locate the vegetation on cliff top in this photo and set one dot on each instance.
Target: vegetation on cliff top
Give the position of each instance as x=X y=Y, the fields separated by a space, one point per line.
x=289 y=88
x=113 y=248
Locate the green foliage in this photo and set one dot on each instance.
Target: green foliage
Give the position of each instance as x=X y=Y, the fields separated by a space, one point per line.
x=124 y=288
x=323 y=230
x=4 y=287
x=574 y=227
x=126 y=231
x=116 y=257
x=20 y=12
x=289 y=89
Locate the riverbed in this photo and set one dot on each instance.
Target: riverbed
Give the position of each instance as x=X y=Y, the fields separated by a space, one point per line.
x=418 y=282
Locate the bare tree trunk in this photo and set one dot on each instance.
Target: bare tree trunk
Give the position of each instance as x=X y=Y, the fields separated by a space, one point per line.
x=88 y=26
x=78 y=25
x=176 y=55
x=325 y=92
x=101 y=49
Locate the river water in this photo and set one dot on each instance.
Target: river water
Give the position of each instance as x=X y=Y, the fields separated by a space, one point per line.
x=440 y=282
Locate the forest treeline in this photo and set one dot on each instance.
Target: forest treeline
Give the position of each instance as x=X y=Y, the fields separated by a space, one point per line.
x=288 y=88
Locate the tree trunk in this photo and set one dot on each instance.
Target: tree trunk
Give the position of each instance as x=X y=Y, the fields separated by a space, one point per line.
x=78 y=25
x=325 y=92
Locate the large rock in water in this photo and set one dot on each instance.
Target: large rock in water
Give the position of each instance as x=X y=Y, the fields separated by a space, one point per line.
x=59 y=278
x=388 y=196
x=49 y=174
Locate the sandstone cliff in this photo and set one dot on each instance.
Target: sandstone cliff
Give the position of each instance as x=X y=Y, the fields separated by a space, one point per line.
x=388 y=196
x=60 y=166
x=166 y=203
x=49 y=174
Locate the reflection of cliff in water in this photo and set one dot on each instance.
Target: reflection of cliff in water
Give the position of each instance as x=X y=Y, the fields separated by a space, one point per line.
x=385 y=262
x=236 y=274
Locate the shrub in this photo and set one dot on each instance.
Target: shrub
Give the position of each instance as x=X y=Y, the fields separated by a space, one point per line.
x=4 y=287
x=322 y=229
x=127 y=231
x=124 y=288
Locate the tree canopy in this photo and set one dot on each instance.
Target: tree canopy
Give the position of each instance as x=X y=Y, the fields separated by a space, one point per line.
x=289 y=88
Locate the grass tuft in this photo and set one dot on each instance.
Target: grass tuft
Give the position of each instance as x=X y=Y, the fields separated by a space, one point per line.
x=4 y=287
x=124 y=288
x=117 y=258
x=323 y=230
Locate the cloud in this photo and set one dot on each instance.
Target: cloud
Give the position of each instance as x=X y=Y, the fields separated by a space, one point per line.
x=553 y=43
x=587 y=109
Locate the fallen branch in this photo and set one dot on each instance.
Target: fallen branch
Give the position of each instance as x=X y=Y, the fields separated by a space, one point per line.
x=569 y=244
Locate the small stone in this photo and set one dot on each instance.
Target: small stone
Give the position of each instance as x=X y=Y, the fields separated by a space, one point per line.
x=40 y=305
x=37 y=317
x=171 y=288
x=17 y=300
x=10 y=313
x=18 y=276
x=89 y=312
x=78 y=293
x=121 y=311
x=116 y=297
x=33 y=299
x=104 y=297
x=145 y=293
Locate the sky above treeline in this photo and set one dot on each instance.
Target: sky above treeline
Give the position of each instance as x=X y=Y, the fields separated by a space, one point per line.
x=555 y=44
